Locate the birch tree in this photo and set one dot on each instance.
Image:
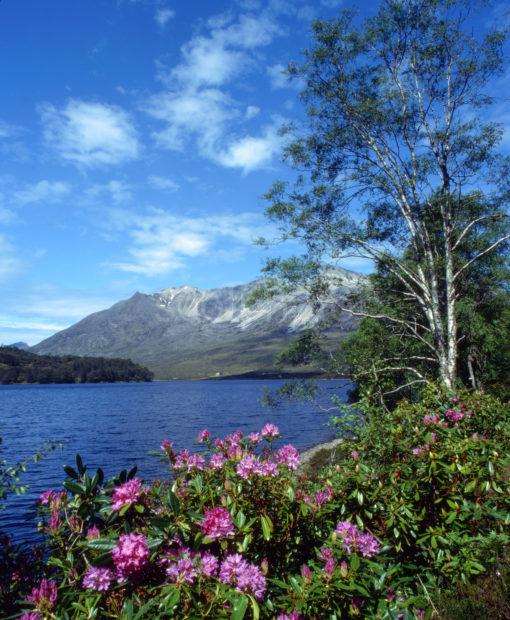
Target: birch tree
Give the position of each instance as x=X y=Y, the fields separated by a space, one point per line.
x=399 y=156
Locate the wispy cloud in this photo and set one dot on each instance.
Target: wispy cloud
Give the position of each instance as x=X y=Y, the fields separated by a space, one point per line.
x=42 y=191
x=163 y=16
x=90 y=134
x=163 y=183
x=35 y=314
x=161 y=242
x=10 y=264
x=118 y=191
x=196 y=105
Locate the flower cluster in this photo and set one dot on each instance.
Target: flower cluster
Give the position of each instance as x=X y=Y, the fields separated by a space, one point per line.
x=204 y=436
x=98 y=579
x=217 y=523
x=354 y=540
x=288 y=455
x=250 y=466
x=127 y=494
x=131 y=554
x=245 y=577
x=186 y=461
x=269 y=431
x=44 y=596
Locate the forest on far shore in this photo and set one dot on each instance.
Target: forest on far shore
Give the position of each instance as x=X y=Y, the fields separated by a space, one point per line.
x=17 y=366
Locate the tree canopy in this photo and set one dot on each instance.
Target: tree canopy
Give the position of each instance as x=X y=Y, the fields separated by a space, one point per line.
x=400 y=164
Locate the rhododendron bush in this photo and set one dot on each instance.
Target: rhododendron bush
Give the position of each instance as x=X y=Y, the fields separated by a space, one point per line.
x=418 y=501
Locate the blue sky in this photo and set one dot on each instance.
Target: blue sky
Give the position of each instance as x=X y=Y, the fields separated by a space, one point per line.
x=137 y=137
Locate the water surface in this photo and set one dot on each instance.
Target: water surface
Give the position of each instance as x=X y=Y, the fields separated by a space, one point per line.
x=114 y=426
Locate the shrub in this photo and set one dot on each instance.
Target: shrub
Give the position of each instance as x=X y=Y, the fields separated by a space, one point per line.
x=418 y=503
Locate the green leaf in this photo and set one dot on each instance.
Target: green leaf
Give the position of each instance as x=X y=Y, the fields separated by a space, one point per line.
x=74 y=487
x=240 y=607
x=72 y=473
x=101 y=544
x=267 y=526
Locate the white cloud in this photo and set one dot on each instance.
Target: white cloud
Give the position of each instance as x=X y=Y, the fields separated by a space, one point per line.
x=42 y=191
x=196 y=106
x=165 y=183
x=35 y=314
x=277 y=76
x=251 y=112
x=119 y=191
x=10 y=264
x=162 y=242
x=250 y=153
x=9 y=131
x=163 y=16
x=90 y=134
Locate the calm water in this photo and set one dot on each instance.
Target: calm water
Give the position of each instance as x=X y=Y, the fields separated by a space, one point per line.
x=115 y=426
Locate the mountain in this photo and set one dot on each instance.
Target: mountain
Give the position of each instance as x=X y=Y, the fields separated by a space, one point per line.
x=187 y=332
x=23 y=346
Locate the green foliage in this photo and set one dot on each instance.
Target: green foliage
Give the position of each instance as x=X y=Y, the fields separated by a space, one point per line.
x=17 y=366
x=427 y=486
x=399 y=165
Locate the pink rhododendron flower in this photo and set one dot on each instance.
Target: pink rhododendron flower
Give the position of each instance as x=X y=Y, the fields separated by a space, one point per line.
x=127 y=494
x=167 y=445
x=329 y=562
x=204 y=436
x=306 y=573
x=430 y=419
x=235 y=452
x=354 y=540
x=255 y=437
x=247 y=467
x=131 y=554
x=186 y=461
x=93 y=532
x=292 y=615
x=182 y=570
x=454 y=416
x=217 y=461
x=323 y=496
x=288 y=455
x=418 y=451
x=210 y=564
x=268 y=469
x=355 y=455
x=270 y=430
x=31 y=615
x=44 y=596
x=97 y=578
x=234 y=438
x=217 y=523
x=46 y=497
x=246 y=577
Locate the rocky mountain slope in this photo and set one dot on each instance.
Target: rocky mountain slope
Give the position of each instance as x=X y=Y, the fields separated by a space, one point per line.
x=187 y=332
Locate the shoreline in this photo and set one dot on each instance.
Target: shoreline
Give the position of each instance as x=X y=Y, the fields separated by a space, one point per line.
x=310 y=453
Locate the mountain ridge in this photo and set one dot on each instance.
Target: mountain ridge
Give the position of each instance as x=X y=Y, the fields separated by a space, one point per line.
x=187 y=332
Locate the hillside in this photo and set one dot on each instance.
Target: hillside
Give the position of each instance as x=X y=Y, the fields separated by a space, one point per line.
x=188 y=332
x=18 y=366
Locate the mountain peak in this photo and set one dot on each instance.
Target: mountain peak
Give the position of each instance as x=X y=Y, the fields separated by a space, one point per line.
x=191 y=332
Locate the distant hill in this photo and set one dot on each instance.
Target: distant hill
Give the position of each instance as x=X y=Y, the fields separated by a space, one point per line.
x=19 y=345
x=188 y=332
x=17 y=366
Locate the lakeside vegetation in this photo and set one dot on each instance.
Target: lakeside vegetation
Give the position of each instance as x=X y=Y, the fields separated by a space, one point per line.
x=414 y=512
x=18 y=366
